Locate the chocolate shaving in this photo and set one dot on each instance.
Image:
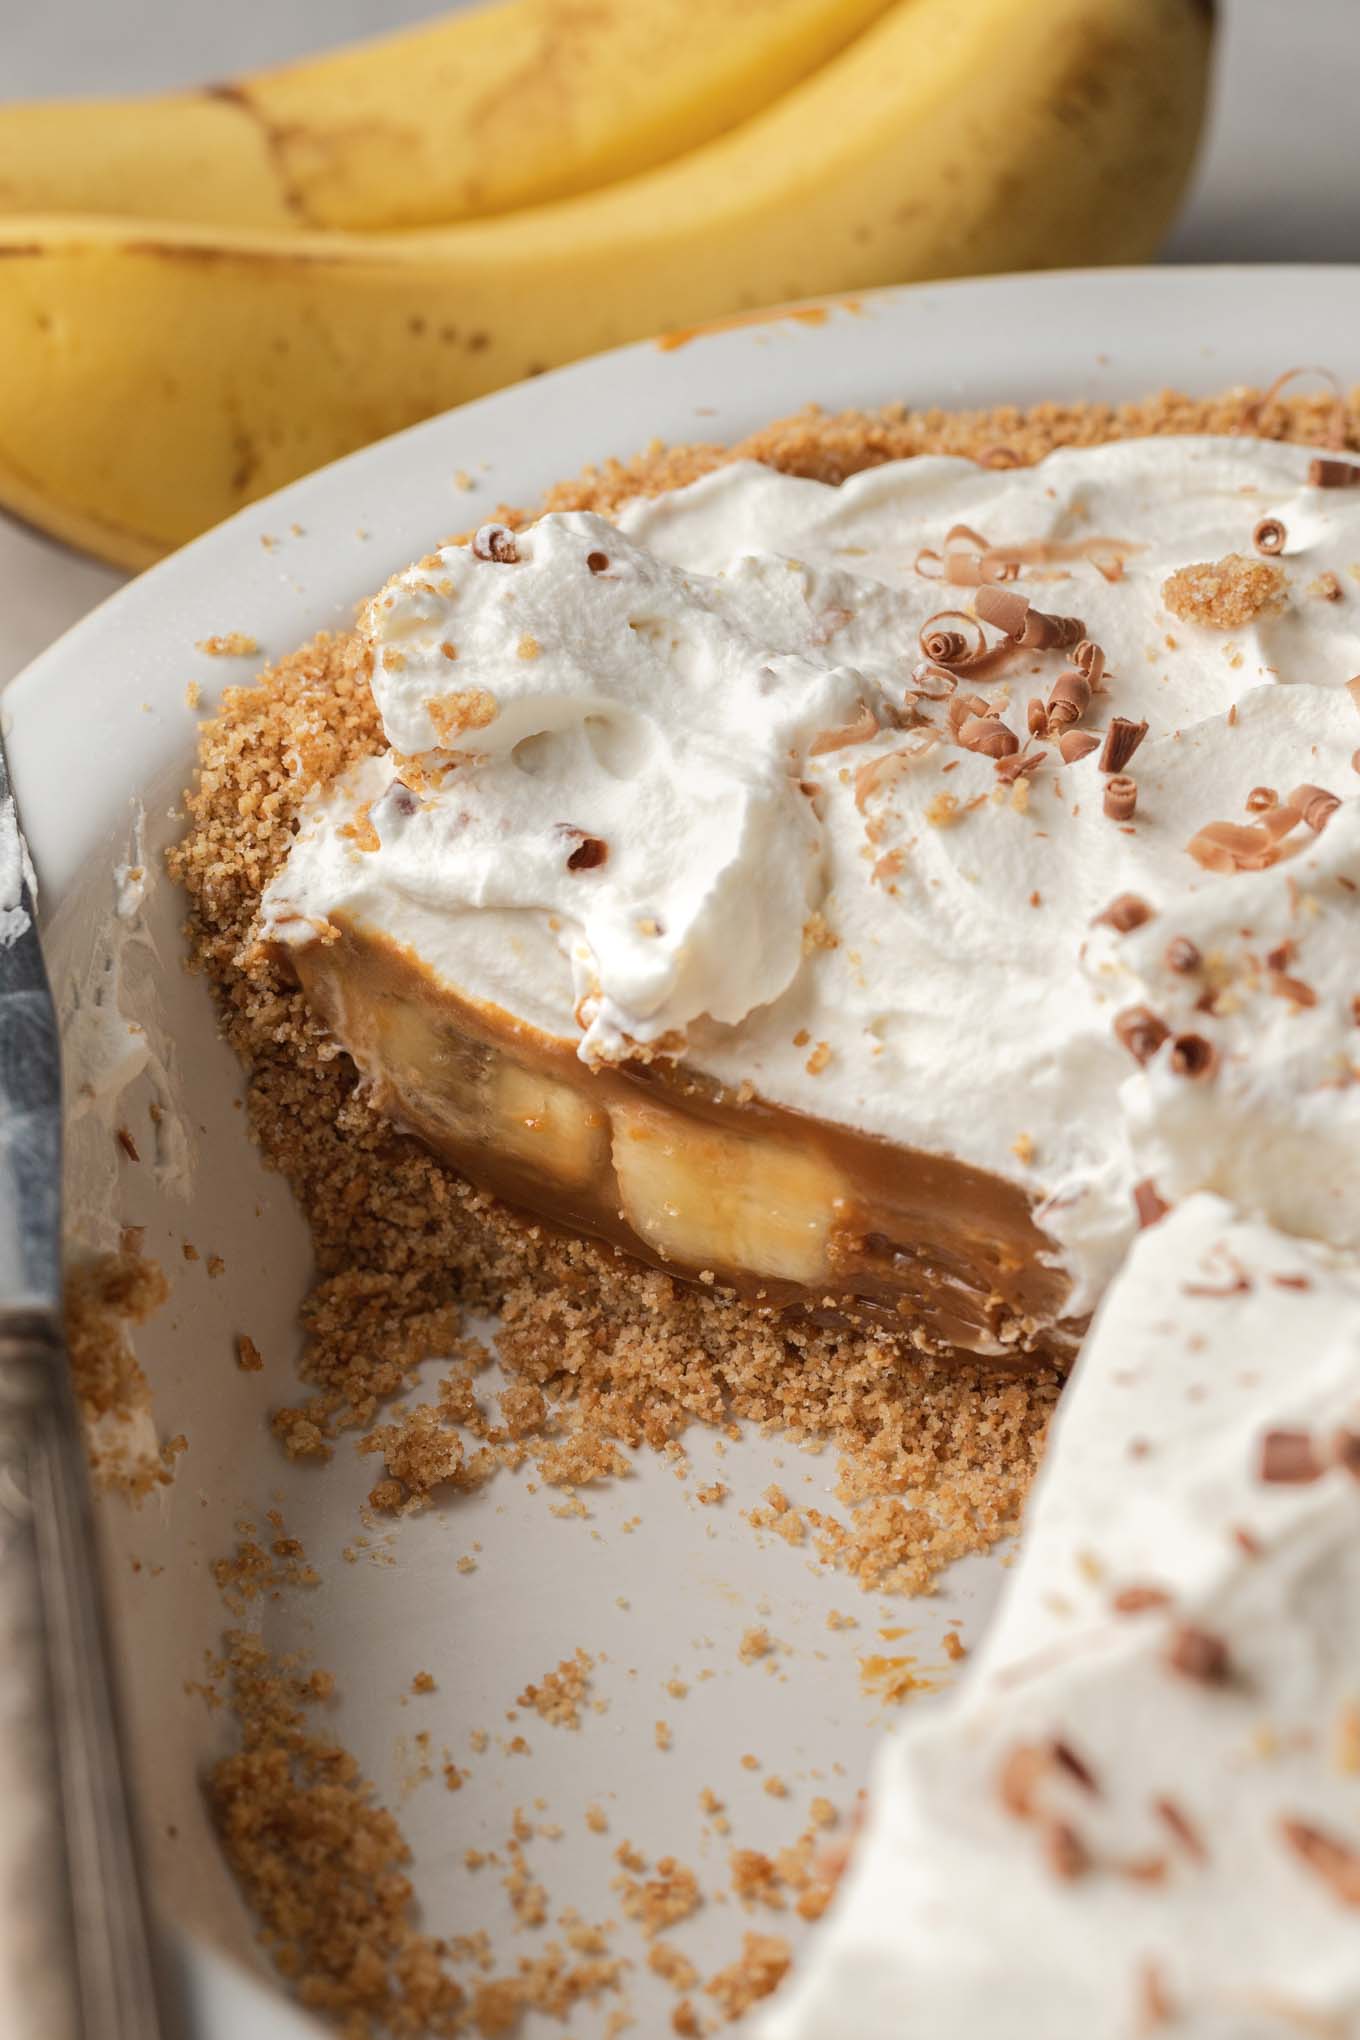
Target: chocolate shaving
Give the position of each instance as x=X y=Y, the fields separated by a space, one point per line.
x=1269 y=536
x=1261 y=798
x=1200 y=1655
x=1334 y=1861
x=1124 y=913
x=1294 y=989
x=1089 y=661
x=1003 y=609
x=1138 y=1600
x=1121 y=797
x=1233 y=846
x=496 y=542
x=1139 y=1030
x=1346 y=1451
x=1237 y=1284
x=968 y=561
x=1289 y=1459
x=1021 y=1771
x=1121 y=741
x=1022 y=763
x=1044 y=633
x=1314 y=804
x=1036 y=717
x=949 y=647
x=933 y=683
x=1336 y=430
x=965 y=651
x=1181 y=956
x=881 y=772
x=598 y=562
x=1075 y=745
x=1154 y=2002
x=1066 y=1758
x=1181 y=1827
x=989 y=735
x=1333 y=474
x=1065 y=1852
x=1192 y=1056
x=1070 y=699
x=1149 y=1204
x=864 y=727
x=1106 y=555
x=590 y=851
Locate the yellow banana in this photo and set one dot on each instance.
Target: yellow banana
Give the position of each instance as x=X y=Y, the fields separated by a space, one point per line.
x=156 y=379
x=510 y=105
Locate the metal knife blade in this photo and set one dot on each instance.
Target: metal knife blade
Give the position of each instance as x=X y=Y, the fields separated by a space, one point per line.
x=76 y=1955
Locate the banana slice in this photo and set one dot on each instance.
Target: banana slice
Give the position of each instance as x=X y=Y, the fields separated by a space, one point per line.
x=709 y=1198
x=546 y=1124
x=479 y=1095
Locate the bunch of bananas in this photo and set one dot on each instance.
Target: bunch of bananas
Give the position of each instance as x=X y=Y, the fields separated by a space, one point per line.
x=203 y=296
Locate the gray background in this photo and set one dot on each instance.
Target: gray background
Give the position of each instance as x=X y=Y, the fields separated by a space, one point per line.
x=1278 y=180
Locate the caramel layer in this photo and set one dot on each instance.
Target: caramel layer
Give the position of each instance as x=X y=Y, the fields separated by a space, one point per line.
x=660 y=1162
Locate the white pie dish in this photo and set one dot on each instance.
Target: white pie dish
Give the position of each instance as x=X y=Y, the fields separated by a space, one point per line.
x=99 y=724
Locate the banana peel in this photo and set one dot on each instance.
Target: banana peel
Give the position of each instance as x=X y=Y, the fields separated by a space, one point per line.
x=482 y=112
x=158 y=378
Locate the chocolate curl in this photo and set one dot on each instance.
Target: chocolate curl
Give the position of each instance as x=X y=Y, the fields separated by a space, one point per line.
x=1124 y=913
x=1089 y=661
x=1019 y=766
x=1106 y=555
x=1121 y=741
x=1289 y=1459
x=1044 y=633
x=945 y=647
x=1076 y=745
x=860 y=731
x=1036 y=717
x=966 y=561
x=989 y=735
x=1336 y=430
x=1334 y=474
x=1260 y=798
x=1269 y=537
x=933 y=683
x=1069 y=701
x=1121 y=797
x=1150 y=1206
x=496 y=542
x=1315 y=805
x=1003 y=609
x=881 y=772
x=1193 y=1056
x=1140 y=1031
x=1232 y=846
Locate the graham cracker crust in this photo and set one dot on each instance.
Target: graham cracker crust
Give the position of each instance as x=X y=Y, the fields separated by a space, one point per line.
x=936 y=1455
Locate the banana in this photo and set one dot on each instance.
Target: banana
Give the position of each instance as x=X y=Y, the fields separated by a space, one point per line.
x=706 y=1198
x=157 y=378
x=508 y=106
x=476 y=1095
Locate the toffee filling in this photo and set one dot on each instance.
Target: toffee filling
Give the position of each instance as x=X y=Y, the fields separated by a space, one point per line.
x=798 y=1214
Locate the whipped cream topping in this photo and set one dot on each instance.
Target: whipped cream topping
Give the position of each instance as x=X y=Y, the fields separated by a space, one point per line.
x=807 y=885
x=1144 y=1808
x=631 y=739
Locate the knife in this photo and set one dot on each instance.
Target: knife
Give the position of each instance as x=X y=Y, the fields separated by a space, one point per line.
x=76 y=1955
